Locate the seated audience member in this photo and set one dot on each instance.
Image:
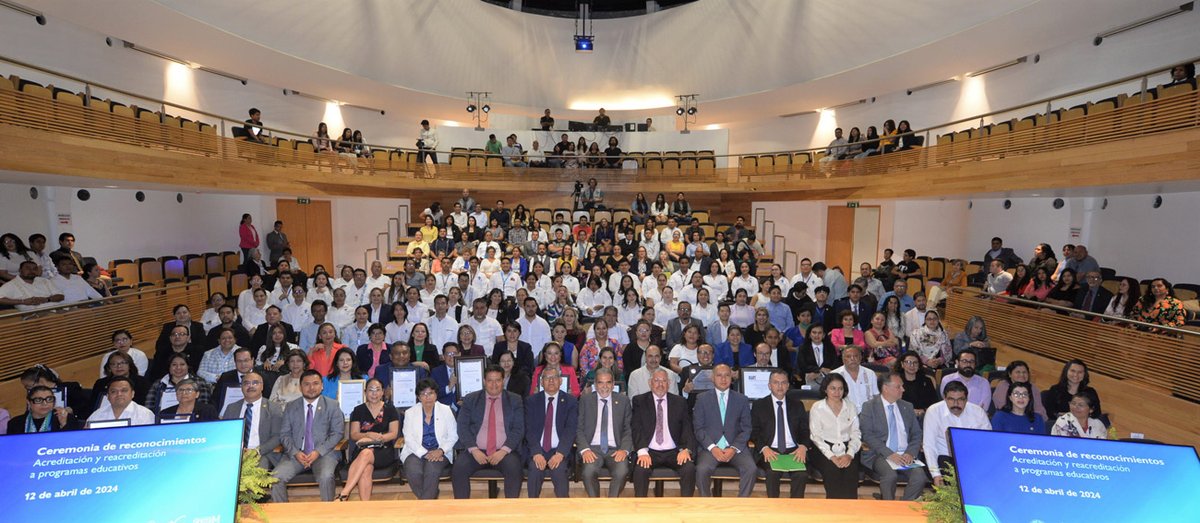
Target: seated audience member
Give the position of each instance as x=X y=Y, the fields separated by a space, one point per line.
x=287 y=386
x=162 y=392
x=604 y=436
x=861 y=382
x=883 y=344
x=835 y=433
x=1159 y=306
x=639 y=379
x=12 y=254
x=254 y=128
x=663 y=435
x=612 y=155
x=243 y=365
x=1074 y=379
x=930 y=342
x=978 y=390
x=312 y=426
x=374 y=427
x=1092 y=297
x=399 y=357
x=516 y=379
x=119 y=365
x=42 y=415
x=218 y=360
x=1180 y=74
x=182 y=318
x=120 y=405
x=491 y=427
x=998 y=279
x=66 y=249
x=72 y=286
x=907 y=267
x=228 y=320
x=254 y=265
x=780 y=427
x=722 y=425
x=512 y=154
x=29 y=291
x=188 y=405
x=1043 y=256
x=1018 y=371
x=321 y=356
x=956 y=276
x=954 y=411
x=892 y=438
x=681 y=210
x=900 y=291
x=918 y=387
x=1039 y=285
x=1081 y=262
x=837 y=148
x=1017 y=414
x=1129 y=293
x=974 y=336
x=1020 y=280
x=1065 y=291
x=848 y=333
x=122 y=342
x=999 y=252
x=870 y=143
x=536 y=156
x=344 y=369
x=551 y=422
x=94 y=279
x=78 y=403
x=263 y=420
x=552 y=358
x=430 y=434
x=1081 y=421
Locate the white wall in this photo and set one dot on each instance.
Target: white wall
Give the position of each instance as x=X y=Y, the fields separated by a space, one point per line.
x=358 y=221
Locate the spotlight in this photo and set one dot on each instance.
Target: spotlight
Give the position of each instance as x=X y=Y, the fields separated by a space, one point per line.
x=583 y=44
x=691 y=111
x=679 y=111
x=486 y=108
x=470 y=108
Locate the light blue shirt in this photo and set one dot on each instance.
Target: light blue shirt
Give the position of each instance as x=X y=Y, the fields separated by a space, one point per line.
x=780 y=315
x=906 y=302
x=308 y=336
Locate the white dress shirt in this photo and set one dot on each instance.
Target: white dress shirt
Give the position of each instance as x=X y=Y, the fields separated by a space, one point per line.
x=938 y=419
x=487 y=331
x=862 y=389
x=535 y=332
x=395 y=332
x=830 y=431
x=73 y=288
x=812 y=281
x=788 y=442
x=442 y=331
x=136 y=414
x=255 y=419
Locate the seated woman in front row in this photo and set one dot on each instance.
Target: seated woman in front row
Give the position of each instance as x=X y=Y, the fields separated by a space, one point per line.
x=430 y=434
x=374 y=427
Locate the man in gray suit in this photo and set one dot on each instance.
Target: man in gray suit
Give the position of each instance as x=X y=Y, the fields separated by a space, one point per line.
x=722 y=424
x=263 y=420
x=491 y=427
x=312 y=425
x=277 y=241
x=604 y=438
x=892 y=437
x=674 y=329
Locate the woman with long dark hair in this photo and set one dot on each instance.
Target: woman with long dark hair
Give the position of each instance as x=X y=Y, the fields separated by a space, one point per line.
x=1017 y=414
x=1159 y=306
x=1129 y=292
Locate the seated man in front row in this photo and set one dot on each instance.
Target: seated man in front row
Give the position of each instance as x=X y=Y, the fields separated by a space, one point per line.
x=954 y=411
x=662 y=433
x=551 y=420
x=892 y=438
x=780 y=427
x=29 y=290
x=263 y=420
x=312 y=425
x=722 y=427
x=604 y=437
x=491 y=426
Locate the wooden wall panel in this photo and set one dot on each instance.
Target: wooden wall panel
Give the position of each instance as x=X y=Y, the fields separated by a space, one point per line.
x=839 y=236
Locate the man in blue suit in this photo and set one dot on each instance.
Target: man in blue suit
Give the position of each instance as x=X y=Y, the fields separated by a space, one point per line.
x=491 y=425
x=551 y=420
x=722 y=425
x=312 y=426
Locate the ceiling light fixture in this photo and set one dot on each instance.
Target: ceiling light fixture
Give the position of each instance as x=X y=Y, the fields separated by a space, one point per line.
x=929 y=86
x=1145 y=21
x=192 y=65
x=995 y=68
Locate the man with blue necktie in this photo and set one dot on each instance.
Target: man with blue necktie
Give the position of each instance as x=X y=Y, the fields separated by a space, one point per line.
x=892 y=437
x=722 y=424
x=604 y=437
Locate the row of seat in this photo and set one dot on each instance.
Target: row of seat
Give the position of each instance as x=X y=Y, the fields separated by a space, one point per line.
x=651 y=160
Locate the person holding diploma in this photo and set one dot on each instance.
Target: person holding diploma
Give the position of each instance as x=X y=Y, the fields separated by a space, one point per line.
x=430 y=434
x=491 y=425
x=892 y=438
x=186 y=393
x=43 y=415
x=779 y=429
x=399 y=359
x=374 y=427
x=345 y=368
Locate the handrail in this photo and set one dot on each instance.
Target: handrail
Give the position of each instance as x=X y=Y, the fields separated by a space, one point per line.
x=915 y=132
x=1070 y=310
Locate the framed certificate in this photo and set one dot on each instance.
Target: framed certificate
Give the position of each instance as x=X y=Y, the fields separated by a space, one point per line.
x=702 y=380
x=232 y=394
x=168 y=399
x=755 y=381
x=108 y=424
x=350 y=395
x=470 y=375
x=404 y=388
x=180 y=418
x=60 y=397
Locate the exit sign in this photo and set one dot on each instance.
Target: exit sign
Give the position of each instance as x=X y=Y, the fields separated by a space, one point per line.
x=306 y=201
x=852 y=205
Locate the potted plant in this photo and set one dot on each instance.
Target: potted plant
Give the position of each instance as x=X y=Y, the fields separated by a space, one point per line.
x=943 y=505
x=254 y=484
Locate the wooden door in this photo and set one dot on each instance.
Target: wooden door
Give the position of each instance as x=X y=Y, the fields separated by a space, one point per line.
x=309 y=228
x=839 y=238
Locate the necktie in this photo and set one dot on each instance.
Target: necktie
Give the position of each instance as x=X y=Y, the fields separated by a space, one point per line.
x=658 y=423
x=548 y=427
x=1087 y=304
x=491 y=427
x=780 y=427
x=893 y=430
x=246 y=427
x=604 y=427
x=308 y=434
x=722 y=443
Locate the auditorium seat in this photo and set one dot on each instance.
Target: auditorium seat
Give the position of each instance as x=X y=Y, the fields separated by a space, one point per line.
x=492 y=477
x=214 y=263
x=543 y=215
x=126 y=270
x=193 y=265
x=238 y=282
x=378 y=475
x=233 y=260
x=598 y=215
x=701 y=215
x=218 y=283
x=150 y=269
x=1174 y=90
x=748 y=163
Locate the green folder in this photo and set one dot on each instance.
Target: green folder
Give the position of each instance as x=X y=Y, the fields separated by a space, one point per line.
x=787 y=463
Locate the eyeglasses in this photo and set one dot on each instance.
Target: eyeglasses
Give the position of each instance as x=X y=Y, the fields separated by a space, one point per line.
x=178 y=334
x=428 y=393
x=1020 y=394
x=186 y=389
x=910 y=362
x=375 y=389
x=42 y=400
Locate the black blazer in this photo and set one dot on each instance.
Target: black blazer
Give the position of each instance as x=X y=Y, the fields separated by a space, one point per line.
x=866 y=309
x=263 y=331
x=762 y=422
x=523 y=358
x=1099 y=303
x=806 y=362
x=161 y=362
x=679 y=421
x=518 y=383
x=163 y=343
x=240 y=335
x=17 y=424
x=230 y=379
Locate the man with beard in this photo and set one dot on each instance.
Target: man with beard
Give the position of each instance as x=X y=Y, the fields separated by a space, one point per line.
x=954 y=411
x=978 y=390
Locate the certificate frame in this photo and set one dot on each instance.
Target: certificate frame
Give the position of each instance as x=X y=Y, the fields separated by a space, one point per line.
x=60 y=396
x=179 y=418
x=350 y=394
x=470 y=375
x=404 y=397
x=109 y=424
x=754 y=381
x=233 y=394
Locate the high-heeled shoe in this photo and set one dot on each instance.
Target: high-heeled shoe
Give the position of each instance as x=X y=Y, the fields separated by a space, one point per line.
x=342 y=497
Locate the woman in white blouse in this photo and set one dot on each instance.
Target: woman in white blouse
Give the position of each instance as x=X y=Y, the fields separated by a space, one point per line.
x=716 y=283
x=430 y=434
x=833 y=424
x=256 y=313
x=630 y=309
x=593 y=299
x=741 y=313
x=321 y=289
x=401 y=328
x=347 y=278
x=744 y=280
x=703 y=310
x=210 y=318
x=1079 y=422
x=1121 y=304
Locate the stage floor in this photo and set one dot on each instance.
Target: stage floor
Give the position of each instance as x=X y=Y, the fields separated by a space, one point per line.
x=601 y=510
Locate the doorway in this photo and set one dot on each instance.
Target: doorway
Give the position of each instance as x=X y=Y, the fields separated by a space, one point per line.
x=851 y=237
x=309 y=227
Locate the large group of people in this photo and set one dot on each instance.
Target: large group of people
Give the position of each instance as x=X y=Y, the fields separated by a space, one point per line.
x=616 y=352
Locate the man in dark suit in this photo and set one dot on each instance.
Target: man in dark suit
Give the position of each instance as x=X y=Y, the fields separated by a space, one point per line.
x=263 y=420
x=491 y=425
x=604 y=438
x=229 y=320
x=662 y=433
x=1094 y=297
x=892 y=437
x=780 y=426
x=312 y=426
x=997 y=252
x=723 y=429
x=262 y=333
x=183 y=317
x=856 y=301
x=551 y=421
x=243 y=365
